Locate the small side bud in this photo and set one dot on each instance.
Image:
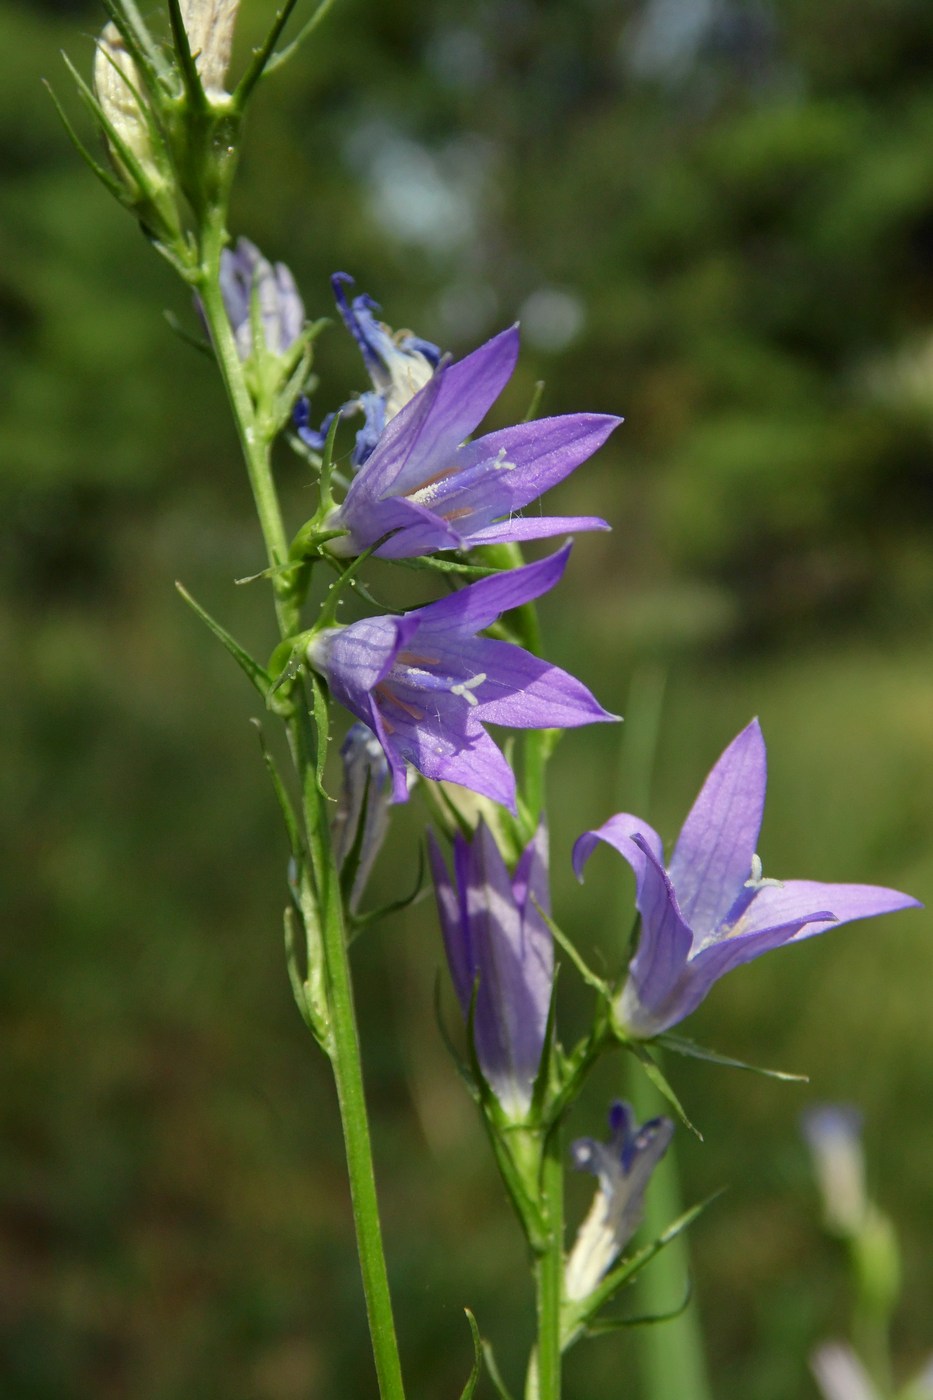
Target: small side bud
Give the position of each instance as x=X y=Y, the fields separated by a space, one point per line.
x=117 y=85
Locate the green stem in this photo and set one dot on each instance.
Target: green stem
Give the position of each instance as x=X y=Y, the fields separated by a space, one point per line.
x=549 y=1274
x=344 y=1047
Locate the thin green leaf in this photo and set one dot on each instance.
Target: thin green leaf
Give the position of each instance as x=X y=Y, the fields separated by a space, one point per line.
x=467 y=1391
x=395 y=906
x=681 y=1046
x=430 y=563
x=492 y=1370
x=655 y=1074
x=251 y=668
x=140 y=45
x=305 y=32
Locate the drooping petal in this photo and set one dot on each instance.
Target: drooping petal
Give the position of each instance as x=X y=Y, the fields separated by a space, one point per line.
x=455 y=928
x=365 y=786
x=713 y=855
x=793 y=899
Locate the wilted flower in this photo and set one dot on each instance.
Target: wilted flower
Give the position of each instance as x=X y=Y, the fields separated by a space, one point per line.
x=426 y=683
x=623 y=1165
x=245 y=274
x=433 y=490
x=366 y=785
x=833 y=1133
x=499 y=949
x=711 y=910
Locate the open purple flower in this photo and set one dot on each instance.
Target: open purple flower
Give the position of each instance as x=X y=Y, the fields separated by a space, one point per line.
x=623 y=1165
x=245 y=273
x=711 y=911
x=499 y=947
x=433 y=490
x=426 y=683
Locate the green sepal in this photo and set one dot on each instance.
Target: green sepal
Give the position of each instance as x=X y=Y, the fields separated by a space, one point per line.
x=361 y=922
x=261 y=57
x=494 y=1374
x=681 y=1046
x=467 y=1391
x=461 y=1067
x=579 y=1316
x=106 y=177
x=591 y=979
x=140 y=45
x=257 y=674
x=659 y=1080
x=315 y=1019
x=601 y=1325
x=305 y=32
x=521 y=1181
x=542 y=1084
x=197 y=342
x=535 y=402
x=194 y=88
x=295 y=843
x=433 y=564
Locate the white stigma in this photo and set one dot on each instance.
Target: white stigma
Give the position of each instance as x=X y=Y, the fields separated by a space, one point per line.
x=502 y=463
x=757 y=882
x=465 y=688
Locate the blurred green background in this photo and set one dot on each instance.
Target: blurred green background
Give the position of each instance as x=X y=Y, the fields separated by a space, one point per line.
x=714 y=217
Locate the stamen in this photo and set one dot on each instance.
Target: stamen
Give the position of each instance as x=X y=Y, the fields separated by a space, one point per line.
x=465 y=688
x=425 y=492
x=385 y=693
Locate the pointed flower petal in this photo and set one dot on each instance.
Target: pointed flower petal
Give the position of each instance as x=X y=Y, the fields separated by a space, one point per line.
x=435 y=491
x=425 y=683
x=713 y=910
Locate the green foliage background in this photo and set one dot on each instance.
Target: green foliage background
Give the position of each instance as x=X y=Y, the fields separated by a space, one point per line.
x=715 y=217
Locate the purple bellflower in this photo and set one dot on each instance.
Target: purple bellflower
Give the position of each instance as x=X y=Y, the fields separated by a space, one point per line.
x=623 y=1166
x=711 y=910
x=426 y=683
x=245 y=273
x=399 y=364
x=433 y=490
x=500 y=949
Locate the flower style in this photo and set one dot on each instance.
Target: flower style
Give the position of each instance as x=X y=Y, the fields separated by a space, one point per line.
x=499 y=949
x=711 y=911
x=245 y=273
x=433 y=490
x=623 y=1166
x=426 y=683
x=833 y=1133
x=365 y=780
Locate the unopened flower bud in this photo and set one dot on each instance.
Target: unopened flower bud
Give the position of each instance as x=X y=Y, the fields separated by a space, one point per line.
x=118 y=85
x=209 y=25
x=833 y=1133
x=244 y=275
